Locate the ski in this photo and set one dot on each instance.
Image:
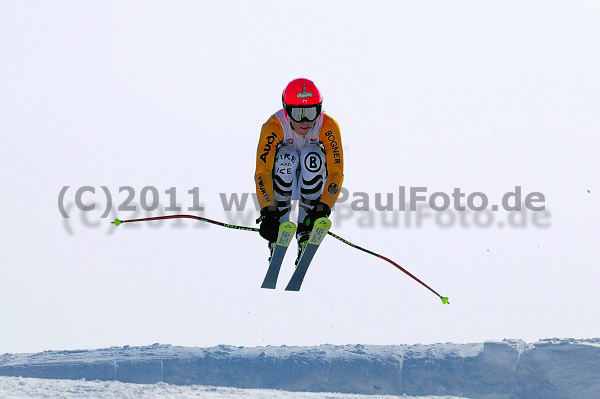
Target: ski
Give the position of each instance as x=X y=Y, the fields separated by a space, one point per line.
x=284 y=237
x=318 y=233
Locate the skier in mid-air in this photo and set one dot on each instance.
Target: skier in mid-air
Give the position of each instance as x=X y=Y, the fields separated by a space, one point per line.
x=299 y=157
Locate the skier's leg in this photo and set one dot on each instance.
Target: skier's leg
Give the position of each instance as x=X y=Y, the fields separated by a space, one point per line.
x=310 y=181
x=284 y=179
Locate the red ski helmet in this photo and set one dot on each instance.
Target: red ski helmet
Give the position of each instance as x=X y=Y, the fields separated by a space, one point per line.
x=302 y=93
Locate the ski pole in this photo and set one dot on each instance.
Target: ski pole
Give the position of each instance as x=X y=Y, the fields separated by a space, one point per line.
x=118 y=222
x=443 y=298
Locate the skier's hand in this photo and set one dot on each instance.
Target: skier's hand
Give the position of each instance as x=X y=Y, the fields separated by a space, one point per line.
x=269 y=223
x=320 y=210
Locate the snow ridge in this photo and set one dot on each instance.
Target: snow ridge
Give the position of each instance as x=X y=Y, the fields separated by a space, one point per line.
x=508 y=369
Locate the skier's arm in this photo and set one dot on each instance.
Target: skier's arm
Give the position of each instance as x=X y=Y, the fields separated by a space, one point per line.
x=271 y=134
x=331 y=138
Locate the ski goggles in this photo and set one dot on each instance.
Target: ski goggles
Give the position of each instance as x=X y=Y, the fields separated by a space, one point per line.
x=299 y=114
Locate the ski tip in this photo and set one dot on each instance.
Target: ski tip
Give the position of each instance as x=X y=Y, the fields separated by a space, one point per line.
x=117 y=222
x=445 y=300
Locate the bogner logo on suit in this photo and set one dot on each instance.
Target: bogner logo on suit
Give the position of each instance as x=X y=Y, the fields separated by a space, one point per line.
x=334 y=146
x=312 y=162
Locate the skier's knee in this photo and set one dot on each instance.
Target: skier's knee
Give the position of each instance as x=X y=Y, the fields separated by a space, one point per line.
x=284 y=173
x=286 y=163
x=312 y=161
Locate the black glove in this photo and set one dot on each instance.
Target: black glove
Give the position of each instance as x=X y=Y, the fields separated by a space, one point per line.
x=320 y=210
x=269 y=223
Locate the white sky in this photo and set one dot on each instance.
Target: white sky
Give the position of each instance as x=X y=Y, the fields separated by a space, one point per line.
x=478 y=95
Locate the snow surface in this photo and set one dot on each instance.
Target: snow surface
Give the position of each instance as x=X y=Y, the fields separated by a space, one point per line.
x=509 y=369
x=17 y=388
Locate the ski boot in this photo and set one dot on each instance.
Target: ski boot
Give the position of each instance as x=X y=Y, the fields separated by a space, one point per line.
x=271 y=249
